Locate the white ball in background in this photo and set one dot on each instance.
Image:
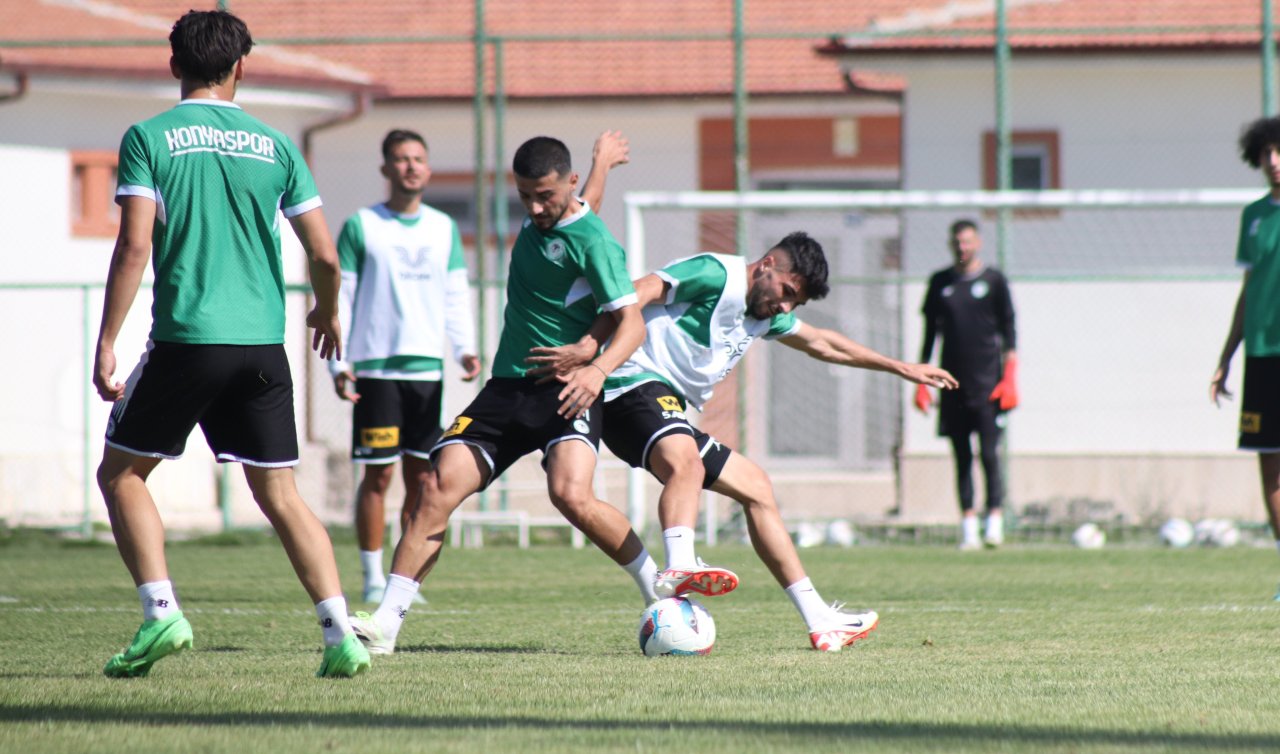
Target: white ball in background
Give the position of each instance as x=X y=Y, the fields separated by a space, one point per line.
x=1217 y=532
x=1177 y=532
x=840 y=533
x=1089 y=536
x=809 y=534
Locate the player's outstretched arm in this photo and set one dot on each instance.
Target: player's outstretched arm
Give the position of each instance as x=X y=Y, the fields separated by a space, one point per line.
x=558 y=362
x=128 y=262
x=1218 y=383
x=834 y=348
x=326 y=277
x=611 y=150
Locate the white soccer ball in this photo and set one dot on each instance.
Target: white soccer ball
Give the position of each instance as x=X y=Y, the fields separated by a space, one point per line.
x=840 y=533
x=1089 y=537
x=676 y=626
x=1177 y=532
x=1217 y=532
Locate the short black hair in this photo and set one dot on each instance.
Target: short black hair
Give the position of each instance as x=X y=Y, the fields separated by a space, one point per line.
x=206 y=45
x=808 y=260
x=541 y=156
x=961 y=225
x=397 y=136
x=1256 y=137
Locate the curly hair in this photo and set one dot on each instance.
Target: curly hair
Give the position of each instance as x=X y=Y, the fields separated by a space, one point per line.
x=1257 y=137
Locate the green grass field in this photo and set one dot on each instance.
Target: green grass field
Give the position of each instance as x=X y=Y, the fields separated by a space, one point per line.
x=1027 y=649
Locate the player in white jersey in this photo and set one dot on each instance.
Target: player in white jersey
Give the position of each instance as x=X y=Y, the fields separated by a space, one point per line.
x=200 y=190
x=701 y=314
x=404 y=300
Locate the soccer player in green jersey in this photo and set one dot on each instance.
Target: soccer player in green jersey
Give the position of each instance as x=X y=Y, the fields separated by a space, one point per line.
x=702 y=313
x=200 y=188
x=1256 y=320
x=563 y=262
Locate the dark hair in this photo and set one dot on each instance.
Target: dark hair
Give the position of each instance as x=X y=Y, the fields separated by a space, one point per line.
x=1257 y=136
x=397 y=136
x=961 y=225
x=206 y=45
x=541 y=156
x=808 y=261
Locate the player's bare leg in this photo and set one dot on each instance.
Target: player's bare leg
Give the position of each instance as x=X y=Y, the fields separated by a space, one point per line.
x=139 y=534
x=1269 y=466
x=432 y=496
x=571 y=467
x=371 y=526
x=831 y=628
x=674 y=459
x=135 y=520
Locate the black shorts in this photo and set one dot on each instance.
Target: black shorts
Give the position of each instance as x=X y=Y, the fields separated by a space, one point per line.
x=1260 y=405
x=241 y=396
x=514 y=416
x=958 y=417
x=638 y=418
x=394 y=417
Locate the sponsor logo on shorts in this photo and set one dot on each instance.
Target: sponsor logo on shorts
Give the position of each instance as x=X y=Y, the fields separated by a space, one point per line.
x=380 y=437
x=670 y=403
x=1250 y=422
x=581 y=426
x=458 y=427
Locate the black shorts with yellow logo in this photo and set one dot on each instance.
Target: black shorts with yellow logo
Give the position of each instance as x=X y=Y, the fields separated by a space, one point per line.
x=1260 y=406
x=394 y=417
x=637 y=419
x=514 y=416
x=241 y=396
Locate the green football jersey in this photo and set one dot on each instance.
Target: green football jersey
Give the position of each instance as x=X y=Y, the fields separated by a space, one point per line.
x=554 y=283
x=219 y=178
x=1259 y=252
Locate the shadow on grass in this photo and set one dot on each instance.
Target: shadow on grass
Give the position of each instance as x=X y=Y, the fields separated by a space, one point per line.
x=477 y=649
x=864 y=733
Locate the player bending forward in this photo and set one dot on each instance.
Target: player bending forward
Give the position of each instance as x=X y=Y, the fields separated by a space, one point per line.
x=701 y=314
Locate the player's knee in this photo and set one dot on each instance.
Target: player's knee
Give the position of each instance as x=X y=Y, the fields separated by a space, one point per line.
x=377 y=478
x=574 y=501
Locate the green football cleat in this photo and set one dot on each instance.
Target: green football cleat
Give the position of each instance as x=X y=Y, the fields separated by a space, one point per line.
x=346 y=660
x=155 y=640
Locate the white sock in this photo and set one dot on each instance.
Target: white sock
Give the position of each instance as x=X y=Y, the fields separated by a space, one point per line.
x=157 y=600
x=333 y=619
x=995 y=525
x=679 y=544
x=371 y=562
x=395 y=604
x=807 y=600
x=645 y=572
x=969 y=529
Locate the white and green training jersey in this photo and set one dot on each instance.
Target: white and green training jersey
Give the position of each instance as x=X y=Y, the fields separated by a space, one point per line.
x=404 y=292
x=219 y=178
x=699 y=333
x=1259 y=252
x=554 y=283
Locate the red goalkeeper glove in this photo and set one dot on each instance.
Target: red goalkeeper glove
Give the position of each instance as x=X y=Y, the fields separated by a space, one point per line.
x=923 y=398
x=1006 y=391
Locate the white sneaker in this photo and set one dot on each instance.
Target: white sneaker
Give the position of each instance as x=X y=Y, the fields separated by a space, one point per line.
x=370 y=635
x=970 y=545
x=373 y=594
x=845 y=628
x=418 y=599
x=995 y=532
x=701 y=579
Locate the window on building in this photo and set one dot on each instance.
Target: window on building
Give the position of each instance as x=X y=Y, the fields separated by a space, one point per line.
x=1034 y=164
x=94 y=212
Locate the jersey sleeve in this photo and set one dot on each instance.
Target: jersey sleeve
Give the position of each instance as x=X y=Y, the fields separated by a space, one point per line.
x=351 y=245
x=1005 y=314
x=133 y=171
x=604 y=265
x=1243 y=256
x=300 y=193
x=459 y=323
x=782 y=325
x=694 y=278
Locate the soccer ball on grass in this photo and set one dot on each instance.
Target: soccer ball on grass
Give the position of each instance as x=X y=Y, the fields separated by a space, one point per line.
x=676 y=626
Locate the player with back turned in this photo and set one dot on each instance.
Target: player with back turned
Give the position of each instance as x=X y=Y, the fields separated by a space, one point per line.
x=200 y=189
